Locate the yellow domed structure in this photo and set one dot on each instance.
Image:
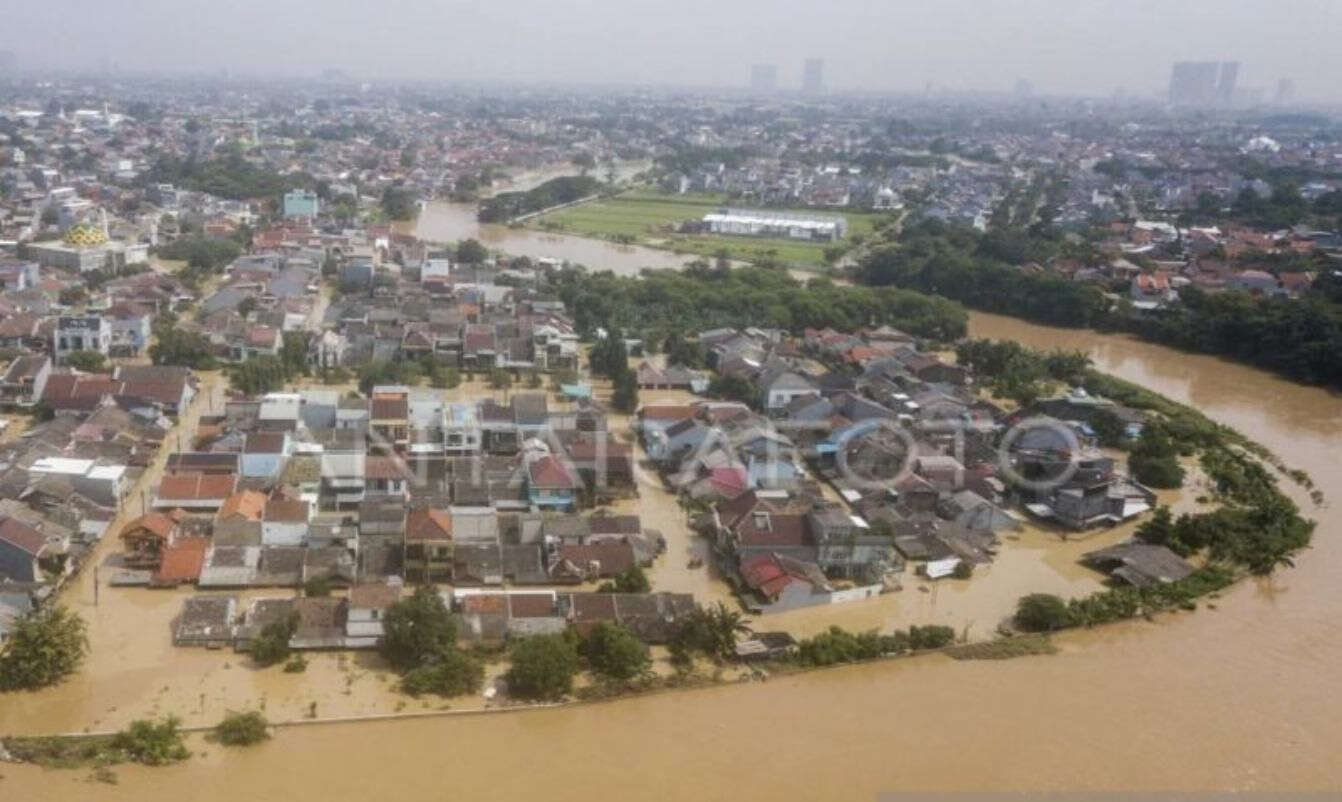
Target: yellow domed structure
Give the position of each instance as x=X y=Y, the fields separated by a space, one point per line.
x=85 y=235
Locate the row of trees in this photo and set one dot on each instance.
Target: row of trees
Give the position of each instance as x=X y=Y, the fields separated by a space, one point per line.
x=837 y=645
x=565 y=189
x=229 y=176
x=1300 y=338
x=665 y=302
x=1022 y=374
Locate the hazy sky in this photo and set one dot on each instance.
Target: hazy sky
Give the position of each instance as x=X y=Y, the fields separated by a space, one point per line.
x=1072 y=46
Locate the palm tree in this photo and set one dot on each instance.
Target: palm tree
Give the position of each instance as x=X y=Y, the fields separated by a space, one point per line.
x=725 y=624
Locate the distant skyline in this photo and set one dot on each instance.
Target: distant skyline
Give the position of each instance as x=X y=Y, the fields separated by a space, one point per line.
x=1080 y=48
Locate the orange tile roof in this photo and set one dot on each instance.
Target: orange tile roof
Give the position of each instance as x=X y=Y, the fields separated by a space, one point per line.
x=155 y=523
x=182 y=561
x=197 y=486
x=428 y=524
x=247 y=504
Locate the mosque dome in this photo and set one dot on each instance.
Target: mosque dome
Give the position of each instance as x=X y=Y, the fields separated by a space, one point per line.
x=85 y=235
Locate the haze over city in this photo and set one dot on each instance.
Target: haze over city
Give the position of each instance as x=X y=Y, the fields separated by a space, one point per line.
x=1090 y=48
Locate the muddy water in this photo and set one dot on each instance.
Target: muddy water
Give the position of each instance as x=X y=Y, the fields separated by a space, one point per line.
x=1242 y=696
x=448 y=222
x=441 y=221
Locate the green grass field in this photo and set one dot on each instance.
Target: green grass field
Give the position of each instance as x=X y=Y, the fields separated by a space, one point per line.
x=650 y=218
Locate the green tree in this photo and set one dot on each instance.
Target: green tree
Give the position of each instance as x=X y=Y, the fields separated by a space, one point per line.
x=1154 y=460
x=44 y=647
x=153 y=743
x=417 y=629
x=471 y=252
x=242 y=729
x=683 y=352
x=712 y=631
x=89 y=361
x=260 y=374
x=247 y=306
x=500 y=379
x=625 y=395
x=1042 y=612
x=1109 y=428
x=294 y=351
x=631 y=580
x=398 y=203
x=271 y=644
x=734 y=388
x=613 y=651
x=174 y=346
x=542 y=667
x=451 y=673
x=202 y=253
x=609 y=356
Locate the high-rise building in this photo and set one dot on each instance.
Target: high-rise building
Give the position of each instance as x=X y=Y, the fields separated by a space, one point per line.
x=1193 y=83
x=764 y=78
x=1203 y=83
x=1225 y=88
x=1285 y=91
x=813 y=76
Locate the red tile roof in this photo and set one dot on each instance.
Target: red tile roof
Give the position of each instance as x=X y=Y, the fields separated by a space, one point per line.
x=154 y=524
x=247 y=504
x=16 y=532
x=428 y=524
x=182 y=561
x=197 y=486
x=613 y=558
x=549 y=473
x=667 y=411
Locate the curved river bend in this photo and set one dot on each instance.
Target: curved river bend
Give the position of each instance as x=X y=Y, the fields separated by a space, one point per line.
x=1243 y=696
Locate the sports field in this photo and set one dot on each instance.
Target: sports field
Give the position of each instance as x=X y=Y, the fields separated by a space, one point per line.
x=649 y=218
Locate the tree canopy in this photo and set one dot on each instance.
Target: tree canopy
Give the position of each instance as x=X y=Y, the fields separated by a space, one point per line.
x=613 y=651
x=44 y=647
x=542 y=667
x=417 y=629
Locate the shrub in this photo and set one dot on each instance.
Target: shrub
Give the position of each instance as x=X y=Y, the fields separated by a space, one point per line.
x=452 y=673
x=153 y=743
x=1042 y=612
x=542 y=667
x=632 y=580
x=242 y=729
x=271 y=645
x=932 y=636
x=614 y=651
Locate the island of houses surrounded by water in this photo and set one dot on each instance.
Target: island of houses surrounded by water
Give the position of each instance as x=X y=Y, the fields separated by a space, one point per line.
x=517 y=504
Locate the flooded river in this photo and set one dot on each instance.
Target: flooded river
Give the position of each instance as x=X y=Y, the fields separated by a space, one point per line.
x=1244 y=695
x=441 y=221
x=448 y=222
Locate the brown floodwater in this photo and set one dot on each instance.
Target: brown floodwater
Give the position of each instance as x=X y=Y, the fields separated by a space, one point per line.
x=1240 y=695
x=442 y=221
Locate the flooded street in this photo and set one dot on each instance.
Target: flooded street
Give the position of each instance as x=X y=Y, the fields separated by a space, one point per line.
x=1241 y=694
